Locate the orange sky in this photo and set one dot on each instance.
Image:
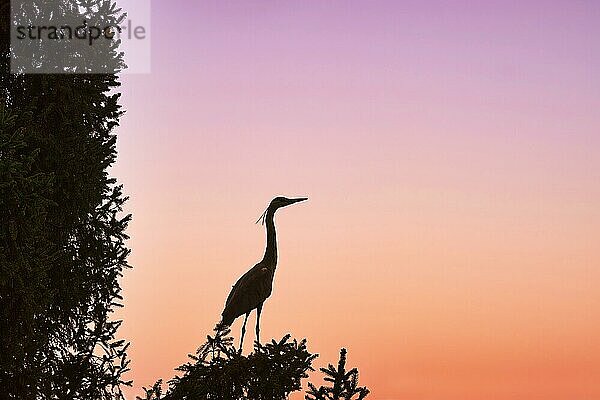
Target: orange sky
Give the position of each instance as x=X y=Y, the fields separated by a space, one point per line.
x=451 y=157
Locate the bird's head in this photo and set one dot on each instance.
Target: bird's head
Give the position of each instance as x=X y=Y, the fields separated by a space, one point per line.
x=279 y=202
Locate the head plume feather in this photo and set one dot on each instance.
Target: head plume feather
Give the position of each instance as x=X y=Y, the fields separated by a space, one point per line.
x=262 y=217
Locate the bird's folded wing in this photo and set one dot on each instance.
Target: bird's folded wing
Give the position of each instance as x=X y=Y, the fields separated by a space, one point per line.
x=247 y=293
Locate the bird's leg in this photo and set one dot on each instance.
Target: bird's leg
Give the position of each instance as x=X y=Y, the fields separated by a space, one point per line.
x=243 y=331
x=258 y=311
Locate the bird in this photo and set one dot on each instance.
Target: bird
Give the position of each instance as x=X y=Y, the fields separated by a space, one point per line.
x=255 y=286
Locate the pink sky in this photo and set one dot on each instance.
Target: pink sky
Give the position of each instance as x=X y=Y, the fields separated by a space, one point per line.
x=451 y=153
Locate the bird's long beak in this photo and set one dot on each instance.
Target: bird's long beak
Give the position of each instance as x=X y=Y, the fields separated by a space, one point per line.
x=297 y=200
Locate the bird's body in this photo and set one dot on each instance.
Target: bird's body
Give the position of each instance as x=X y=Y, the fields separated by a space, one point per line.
x=249 y=292
x=256 y=285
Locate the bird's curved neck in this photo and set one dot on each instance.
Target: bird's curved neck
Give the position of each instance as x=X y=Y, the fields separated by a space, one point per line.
x=270 y=256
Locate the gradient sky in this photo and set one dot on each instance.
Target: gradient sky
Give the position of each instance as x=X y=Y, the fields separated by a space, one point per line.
x=451 y=153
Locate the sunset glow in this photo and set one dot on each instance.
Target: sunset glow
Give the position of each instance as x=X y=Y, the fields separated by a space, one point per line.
x=451 y=154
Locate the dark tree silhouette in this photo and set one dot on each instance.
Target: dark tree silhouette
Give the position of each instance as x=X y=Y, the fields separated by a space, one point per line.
x=220 y=371
x=271 y=372
x=344 y=383
x=61 y=233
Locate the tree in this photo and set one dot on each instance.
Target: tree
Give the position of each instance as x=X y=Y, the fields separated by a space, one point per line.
x=62 y=233
x=218 y=371
x=345 y=383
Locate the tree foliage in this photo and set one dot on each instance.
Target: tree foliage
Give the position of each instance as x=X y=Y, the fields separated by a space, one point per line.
x=62 y=235
x=218 y=371
x=344 y=383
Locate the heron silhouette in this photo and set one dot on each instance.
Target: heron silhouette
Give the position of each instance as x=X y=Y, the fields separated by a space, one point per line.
x=255 y=286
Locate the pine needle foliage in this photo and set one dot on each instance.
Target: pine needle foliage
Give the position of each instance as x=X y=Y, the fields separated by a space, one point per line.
x=62 y=231
x=218 y=371
x=344 y=383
